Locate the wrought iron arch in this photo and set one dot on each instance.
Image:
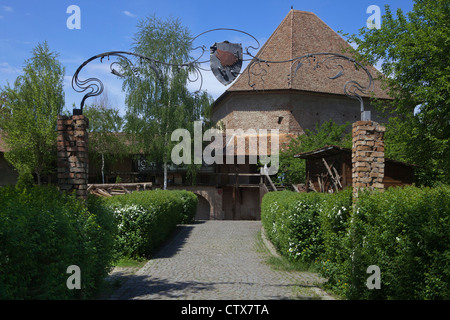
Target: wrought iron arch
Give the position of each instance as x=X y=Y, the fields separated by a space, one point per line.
x=352 y=88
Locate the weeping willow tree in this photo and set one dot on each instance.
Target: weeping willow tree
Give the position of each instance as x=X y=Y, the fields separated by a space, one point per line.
x=158 y=102
x=107 y=142
x=29 y=114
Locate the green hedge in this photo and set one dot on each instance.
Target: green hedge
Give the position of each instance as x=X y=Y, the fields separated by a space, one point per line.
x=145 y=219
x=42 y=232
x=404 y=231
x=291 y=221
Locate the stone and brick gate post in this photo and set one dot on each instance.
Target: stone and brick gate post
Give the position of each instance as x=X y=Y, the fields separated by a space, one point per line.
x=73 y=164
x=367 y=156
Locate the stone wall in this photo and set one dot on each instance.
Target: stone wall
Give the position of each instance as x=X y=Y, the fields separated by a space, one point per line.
x=367 y=156
x=73 y=163
x=290 y=112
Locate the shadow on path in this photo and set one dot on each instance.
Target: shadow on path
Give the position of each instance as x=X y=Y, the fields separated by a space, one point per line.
x=176 y=241
x=142 y=286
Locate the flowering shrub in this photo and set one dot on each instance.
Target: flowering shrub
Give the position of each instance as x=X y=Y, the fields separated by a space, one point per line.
x=291 y=221
x=335 y=214
x=145 y=219
x=404 y=231
x=129 y=237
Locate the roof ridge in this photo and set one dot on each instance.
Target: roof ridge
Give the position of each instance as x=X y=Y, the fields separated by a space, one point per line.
x=303 y=12
x=291 y=42
x=261 y=51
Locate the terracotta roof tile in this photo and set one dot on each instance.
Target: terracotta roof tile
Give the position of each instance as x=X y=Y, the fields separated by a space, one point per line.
x=301 y=33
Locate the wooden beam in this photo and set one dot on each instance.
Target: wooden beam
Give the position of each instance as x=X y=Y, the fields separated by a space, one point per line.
x=113 y=185
x=271 y=183
x=333 y=178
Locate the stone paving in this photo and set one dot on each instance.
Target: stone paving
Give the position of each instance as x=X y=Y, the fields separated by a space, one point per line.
x=217 y=260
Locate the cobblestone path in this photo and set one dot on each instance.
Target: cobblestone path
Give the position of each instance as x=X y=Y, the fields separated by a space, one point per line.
x=217 y=260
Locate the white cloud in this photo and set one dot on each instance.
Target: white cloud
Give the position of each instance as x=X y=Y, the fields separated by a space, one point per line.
x=7 y=9
x=102 y=72
x=210 y=84
x=129 y=14
x=6 y=68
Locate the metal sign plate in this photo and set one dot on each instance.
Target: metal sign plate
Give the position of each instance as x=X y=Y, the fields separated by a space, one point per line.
x=226 y=61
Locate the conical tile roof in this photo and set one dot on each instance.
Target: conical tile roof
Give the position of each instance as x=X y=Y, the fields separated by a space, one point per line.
x=299 y=34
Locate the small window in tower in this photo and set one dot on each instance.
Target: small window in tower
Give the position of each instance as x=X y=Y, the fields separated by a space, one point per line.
x=280 y=119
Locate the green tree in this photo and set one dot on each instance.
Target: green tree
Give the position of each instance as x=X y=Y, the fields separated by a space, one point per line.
x=414 y=50
x=29 y=114
x=292 y=170
x=107 y=142
x=158 y=103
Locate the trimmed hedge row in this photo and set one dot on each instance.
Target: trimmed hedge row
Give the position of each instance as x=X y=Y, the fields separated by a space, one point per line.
x=145 y=219
x=406 y=232
x=403 y=231
x=42 y=233
x=291 y=222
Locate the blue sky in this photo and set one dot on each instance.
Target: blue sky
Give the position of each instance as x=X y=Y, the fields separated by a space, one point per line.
x=110 y=25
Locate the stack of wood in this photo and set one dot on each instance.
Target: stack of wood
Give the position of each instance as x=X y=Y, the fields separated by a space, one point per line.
x=330 y=182
x=109 y=190
x=300 y=187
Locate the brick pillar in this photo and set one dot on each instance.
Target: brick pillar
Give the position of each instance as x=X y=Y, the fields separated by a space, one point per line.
x=367 y=156
x=73 y=162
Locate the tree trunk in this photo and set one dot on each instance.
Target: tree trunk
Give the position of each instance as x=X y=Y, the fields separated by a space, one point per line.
x=165 y=162
x=103 y=168
x=165 y=175
x=165 y=151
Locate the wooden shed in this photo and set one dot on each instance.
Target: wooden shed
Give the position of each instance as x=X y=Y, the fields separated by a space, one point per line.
x=330 y=168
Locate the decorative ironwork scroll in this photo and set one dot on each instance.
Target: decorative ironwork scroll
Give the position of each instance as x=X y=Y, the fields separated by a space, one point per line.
x=352 y=88
x=95 y=87
x=225 y=62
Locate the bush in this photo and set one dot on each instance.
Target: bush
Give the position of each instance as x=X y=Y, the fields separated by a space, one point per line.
x=189 y=202
x=335 y=214
x=404 y=231
x=291 y=221
x=145 y=219
x=42 y=232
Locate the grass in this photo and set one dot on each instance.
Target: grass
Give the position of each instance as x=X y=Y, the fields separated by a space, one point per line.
x=126 y=262
x=124 y=269
x=282 y=263
x=301 y=290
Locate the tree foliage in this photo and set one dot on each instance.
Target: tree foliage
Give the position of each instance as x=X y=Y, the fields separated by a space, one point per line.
x=160 y=102
x=414 y=50
x=29 y=114
x=107 y=142
x=292 y=170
